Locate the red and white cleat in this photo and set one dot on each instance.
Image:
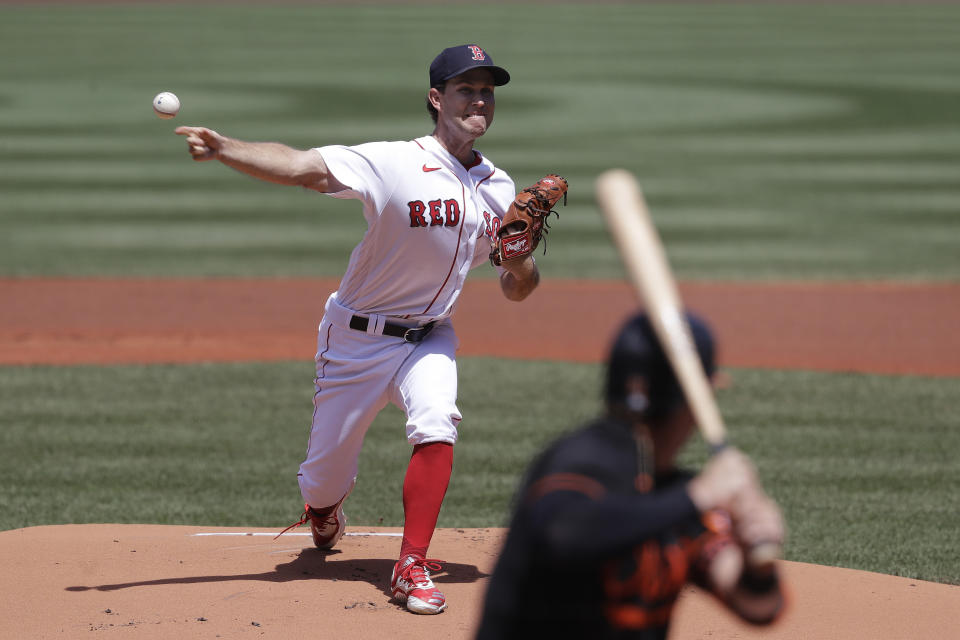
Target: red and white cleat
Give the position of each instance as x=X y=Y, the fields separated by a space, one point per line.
x=411 y=583
x=327 y=529
x=326 y=526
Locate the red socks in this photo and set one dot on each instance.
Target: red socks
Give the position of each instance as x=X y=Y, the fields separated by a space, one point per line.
x=424 y=487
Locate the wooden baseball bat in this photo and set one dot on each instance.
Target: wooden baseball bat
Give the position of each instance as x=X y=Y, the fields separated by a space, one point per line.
x=641 y=249
x=642 y=252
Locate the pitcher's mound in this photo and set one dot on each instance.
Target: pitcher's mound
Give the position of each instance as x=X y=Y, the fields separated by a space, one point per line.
x=147 y=581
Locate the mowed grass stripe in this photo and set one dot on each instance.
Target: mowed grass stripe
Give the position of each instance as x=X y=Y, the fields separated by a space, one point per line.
x=863 y=465
x=769 y=139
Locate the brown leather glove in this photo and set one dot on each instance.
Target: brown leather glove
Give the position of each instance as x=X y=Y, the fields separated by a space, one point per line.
x=524 y=223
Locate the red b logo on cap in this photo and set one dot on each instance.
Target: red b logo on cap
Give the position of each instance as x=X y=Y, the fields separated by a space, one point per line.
x=477 y=52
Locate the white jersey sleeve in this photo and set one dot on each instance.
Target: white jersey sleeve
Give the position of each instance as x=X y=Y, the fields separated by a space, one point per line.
x=367 y=170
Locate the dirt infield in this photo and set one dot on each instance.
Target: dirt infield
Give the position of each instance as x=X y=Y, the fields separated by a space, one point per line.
x=147 y=581
x=134 y=581
x=877 y=328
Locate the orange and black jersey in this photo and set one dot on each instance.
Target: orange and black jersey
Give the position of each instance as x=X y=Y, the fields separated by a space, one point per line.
x=595 y=551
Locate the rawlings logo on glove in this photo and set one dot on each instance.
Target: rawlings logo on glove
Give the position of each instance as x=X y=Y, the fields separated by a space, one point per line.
x=514 y=248
x=524 y=223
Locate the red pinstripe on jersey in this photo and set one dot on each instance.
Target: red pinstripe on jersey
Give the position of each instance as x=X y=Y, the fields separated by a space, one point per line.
x=456 y=253
x=485 y=179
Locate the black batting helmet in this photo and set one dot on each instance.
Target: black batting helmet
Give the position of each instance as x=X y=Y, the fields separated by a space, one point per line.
x=636 y=352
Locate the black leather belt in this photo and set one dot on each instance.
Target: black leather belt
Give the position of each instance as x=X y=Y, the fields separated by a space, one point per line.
x=416 y=334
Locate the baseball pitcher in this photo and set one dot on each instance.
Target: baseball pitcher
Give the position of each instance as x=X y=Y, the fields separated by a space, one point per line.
x=435 y=208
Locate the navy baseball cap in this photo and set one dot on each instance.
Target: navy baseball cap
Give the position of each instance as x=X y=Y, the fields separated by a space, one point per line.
x=453 y=61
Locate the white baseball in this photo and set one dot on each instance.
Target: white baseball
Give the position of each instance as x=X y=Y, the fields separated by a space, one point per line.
x=166 y=105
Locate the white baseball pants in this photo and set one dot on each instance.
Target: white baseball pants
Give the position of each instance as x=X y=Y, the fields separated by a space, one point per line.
x=357 y=374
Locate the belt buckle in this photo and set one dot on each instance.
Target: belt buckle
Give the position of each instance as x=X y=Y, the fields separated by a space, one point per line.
x=417 y=334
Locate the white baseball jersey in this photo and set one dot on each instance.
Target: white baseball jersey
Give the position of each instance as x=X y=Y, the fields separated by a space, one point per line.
x=429 y=221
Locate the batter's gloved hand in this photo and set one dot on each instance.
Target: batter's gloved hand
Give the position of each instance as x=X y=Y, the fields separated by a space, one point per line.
x=758 y=527
x=727 y=475
x=524 y=223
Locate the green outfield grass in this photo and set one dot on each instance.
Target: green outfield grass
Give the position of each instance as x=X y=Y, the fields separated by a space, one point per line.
x=772 y=141
x=863 y=466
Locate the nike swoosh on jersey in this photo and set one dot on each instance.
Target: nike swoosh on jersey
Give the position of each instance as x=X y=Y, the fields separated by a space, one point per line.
x=427 y=169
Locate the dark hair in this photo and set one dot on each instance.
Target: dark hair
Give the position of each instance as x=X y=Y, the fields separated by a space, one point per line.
x=434 y=114
x=636 y=353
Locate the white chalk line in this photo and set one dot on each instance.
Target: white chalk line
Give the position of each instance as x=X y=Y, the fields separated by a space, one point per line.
x=267 y=533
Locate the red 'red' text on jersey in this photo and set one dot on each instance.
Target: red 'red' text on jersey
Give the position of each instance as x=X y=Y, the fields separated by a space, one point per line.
x=434 y=213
